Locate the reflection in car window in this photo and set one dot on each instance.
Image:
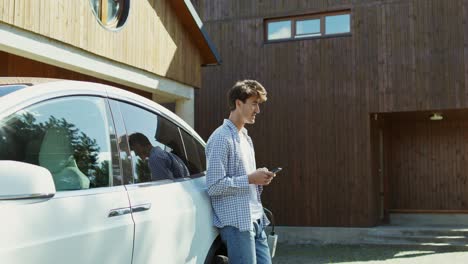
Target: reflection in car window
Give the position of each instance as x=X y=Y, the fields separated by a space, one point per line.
x=155 y=144
x=196 y=160
x=71 y=137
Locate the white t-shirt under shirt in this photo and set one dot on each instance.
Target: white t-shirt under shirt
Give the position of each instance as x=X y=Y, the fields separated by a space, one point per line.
x=256 y=208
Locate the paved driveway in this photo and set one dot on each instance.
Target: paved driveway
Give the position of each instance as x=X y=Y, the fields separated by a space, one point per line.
x=301 y=254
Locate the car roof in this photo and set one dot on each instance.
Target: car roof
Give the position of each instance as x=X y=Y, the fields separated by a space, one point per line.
x=25 y=80
x=12 y=84
x=40 y=89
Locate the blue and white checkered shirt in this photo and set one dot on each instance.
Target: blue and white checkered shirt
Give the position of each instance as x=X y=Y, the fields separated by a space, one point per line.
x=226 y=179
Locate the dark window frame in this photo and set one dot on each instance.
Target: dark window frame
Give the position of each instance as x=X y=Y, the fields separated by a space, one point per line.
x=295 y=19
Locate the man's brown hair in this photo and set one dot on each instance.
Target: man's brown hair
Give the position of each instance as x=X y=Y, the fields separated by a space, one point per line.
x=242 y=90
x=138 y=138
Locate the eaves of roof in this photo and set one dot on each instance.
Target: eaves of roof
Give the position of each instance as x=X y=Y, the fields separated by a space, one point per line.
x=192 y=22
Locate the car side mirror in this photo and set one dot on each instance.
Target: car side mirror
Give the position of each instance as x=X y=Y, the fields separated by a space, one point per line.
x=24 y=182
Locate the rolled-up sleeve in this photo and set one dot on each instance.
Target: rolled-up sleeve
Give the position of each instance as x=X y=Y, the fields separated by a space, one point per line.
x=219 y=179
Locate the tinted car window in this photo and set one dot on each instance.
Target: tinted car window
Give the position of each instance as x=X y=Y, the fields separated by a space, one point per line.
x=196 y=160
x=6 y=89
x=71 y=137
x=155 y=143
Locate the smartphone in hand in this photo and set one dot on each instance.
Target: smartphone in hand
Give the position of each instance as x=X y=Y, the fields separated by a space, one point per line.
x=276 y=170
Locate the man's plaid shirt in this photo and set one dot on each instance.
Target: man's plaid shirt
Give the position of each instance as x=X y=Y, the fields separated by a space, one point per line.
x=226 y=179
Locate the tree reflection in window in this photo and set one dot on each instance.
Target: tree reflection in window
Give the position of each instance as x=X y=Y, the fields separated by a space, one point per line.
x=21 y=137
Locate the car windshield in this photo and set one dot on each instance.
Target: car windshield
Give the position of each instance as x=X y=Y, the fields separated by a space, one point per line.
x=6 y=89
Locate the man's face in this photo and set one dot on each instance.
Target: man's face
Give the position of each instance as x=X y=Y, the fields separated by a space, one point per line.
x=139 y=150
x=249 y=109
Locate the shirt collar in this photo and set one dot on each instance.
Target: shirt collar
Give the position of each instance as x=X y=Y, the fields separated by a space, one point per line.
x=154 y=150
x=233 y=127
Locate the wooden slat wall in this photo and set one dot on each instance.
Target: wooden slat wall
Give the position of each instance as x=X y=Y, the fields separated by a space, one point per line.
x=427 y=165
x=403 y=55
x=21 y=67
x=152 y=39
x=3 y=64
x=378 y=184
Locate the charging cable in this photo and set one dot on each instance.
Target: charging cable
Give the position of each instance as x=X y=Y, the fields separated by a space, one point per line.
x=272 y=236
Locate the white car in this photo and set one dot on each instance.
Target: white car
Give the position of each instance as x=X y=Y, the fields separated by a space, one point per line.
x=73 y=191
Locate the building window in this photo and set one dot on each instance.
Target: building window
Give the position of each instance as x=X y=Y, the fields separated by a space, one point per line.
x=110 y=13
x=337 y=24
x=279 y=30
x=308 y=26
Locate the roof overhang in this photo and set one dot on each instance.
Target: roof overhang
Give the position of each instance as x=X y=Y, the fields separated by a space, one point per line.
x=36 y=47
x=192 y=22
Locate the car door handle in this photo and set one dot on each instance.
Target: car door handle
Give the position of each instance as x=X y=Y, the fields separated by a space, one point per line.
x=141 y=208
x=119 y=212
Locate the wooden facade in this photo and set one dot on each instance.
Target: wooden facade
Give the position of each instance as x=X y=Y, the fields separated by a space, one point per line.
x=333 y=115
x=156 y=37
x=426 y=162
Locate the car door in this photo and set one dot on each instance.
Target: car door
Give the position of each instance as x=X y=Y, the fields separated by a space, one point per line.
x=88 y=220
x=171 y=210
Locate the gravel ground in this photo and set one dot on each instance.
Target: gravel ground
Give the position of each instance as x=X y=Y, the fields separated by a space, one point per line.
x=301 y=254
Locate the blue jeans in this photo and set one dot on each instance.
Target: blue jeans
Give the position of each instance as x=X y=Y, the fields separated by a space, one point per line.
x=247 y=247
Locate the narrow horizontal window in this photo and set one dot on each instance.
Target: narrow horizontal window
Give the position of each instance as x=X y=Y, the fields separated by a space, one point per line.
x=279 y=30
x=337 y=24
x=308 y=26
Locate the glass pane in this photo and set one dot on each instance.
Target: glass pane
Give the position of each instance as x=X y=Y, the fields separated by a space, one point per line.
x=59 y=136
x=337 y=24
x=111 y=13
x=6 y=89
x=279 y=30
x=155 y=144
x=196 y=161
x=96 y=7
x=308 y=28
x=113 y=7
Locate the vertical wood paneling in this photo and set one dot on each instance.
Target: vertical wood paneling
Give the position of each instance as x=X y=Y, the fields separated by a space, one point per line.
x=402 y=56
x=427 y=164
x=3 y=63
x=152 y=39
x=7 y=8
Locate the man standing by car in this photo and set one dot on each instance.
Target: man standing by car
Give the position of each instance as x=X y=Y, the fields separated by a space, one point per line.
x=233 y=182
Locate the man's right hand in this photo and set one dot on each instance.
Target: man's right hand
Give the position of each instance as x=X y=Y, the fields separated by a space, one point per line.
x=260 y=177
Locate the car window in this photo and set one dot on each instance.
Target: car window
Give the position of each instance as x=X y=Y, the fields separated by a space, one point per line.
x=155 y=143
x=196 y=160
x=6 y=89
x=71 y=137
